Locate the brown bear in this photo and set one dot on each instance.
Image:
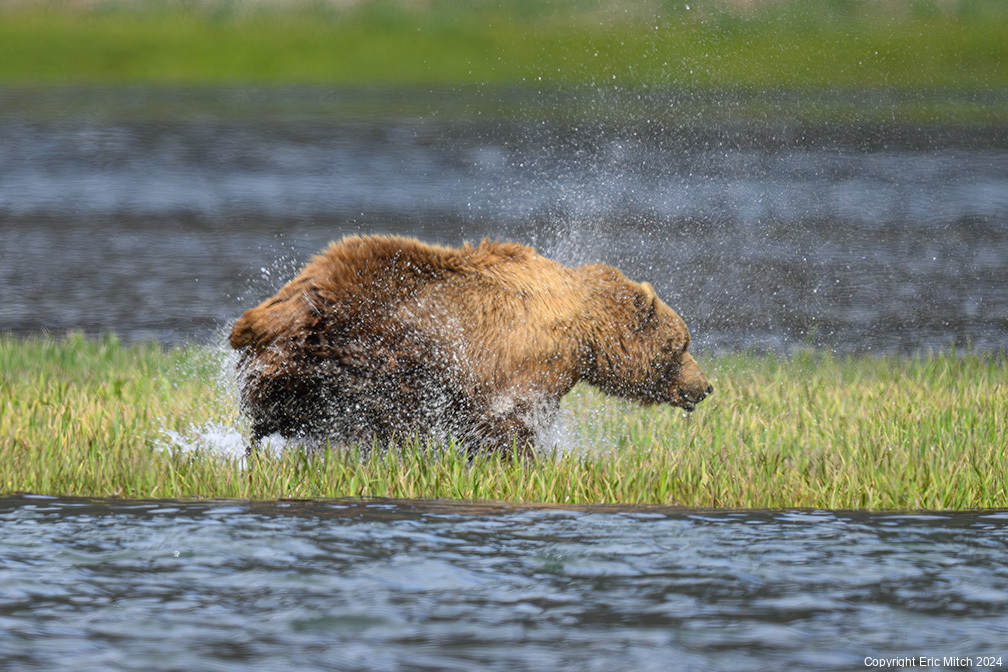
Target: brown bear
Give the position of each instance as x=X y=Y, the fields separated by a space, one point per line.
x=385 y=337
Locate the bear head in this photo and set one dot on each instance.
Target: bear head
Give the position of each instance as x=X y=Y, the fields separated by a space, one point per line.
x=637 y=346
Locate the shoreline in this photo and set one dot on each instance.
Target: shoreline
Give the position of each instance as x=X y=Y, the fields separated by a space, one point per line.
x=806 y=115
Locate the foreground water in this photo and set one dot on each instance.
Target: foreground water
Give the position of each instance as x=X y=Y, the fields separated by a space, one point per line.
x=163 y=213
x=167 y=585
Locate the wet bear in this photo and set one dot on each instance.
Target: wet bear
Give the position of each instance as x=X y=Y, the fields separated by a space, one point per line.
x=384 y=337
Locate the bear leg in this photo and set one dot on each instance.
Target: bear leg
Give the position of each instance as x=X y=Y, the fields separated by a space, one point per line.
x=507 y=436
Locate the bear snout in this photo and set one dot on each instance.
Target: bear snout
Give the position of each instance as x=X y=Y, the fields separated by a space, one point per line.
x=693 y=384
x=692 y=397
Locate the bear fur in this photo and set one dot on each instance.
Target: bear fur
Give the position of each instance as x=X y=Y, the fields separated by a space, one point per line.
x=384 y=337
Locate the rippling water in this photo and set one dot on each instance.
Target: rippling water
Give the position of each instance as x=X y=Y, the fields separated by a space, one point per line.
x=164 y=213
x=167 y=585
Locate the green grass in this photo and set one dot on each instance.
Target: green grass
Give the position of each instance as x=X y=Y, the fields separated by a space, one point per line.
x=99 y=418
x=713 y=43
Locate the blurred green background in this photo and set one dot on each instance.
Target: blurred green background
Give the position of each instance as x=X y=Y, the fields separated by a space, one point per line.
x=901 y=44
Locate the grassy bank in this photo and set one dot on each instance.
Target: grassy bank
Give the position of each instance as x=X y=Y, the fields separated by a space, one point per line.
x=701 y=43
x=98 y=418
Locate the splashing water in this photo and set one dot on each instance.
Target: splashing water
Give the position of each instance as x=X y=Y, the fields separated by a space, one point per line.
x=222 y=436
x=217 y=439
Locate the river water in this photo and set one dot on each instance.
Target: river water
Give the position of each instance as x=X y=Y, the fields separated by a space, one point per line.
x=166 y=585
x=163 y=214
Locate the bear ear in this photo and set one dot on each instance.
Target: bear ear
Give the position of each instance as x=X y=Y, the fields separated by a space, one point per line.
x=645 y=306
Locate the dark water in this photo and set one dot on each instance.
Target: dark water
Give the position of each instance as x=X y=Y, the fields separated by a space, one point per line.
x=164 y=214
x=164 y=585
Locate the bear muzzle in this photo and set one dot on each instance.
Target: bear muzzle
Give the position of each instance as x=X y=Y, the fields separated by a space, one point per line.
x=693 y=386
x=688 y=399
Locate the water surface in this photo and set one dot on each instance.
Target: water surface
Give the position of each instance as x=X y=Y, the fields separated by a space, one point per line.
x=164 y=214
x=168 y=585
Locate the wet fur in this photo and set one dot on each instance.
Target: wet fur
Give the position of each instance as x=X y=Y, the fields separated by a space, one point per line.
x=382 y=337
